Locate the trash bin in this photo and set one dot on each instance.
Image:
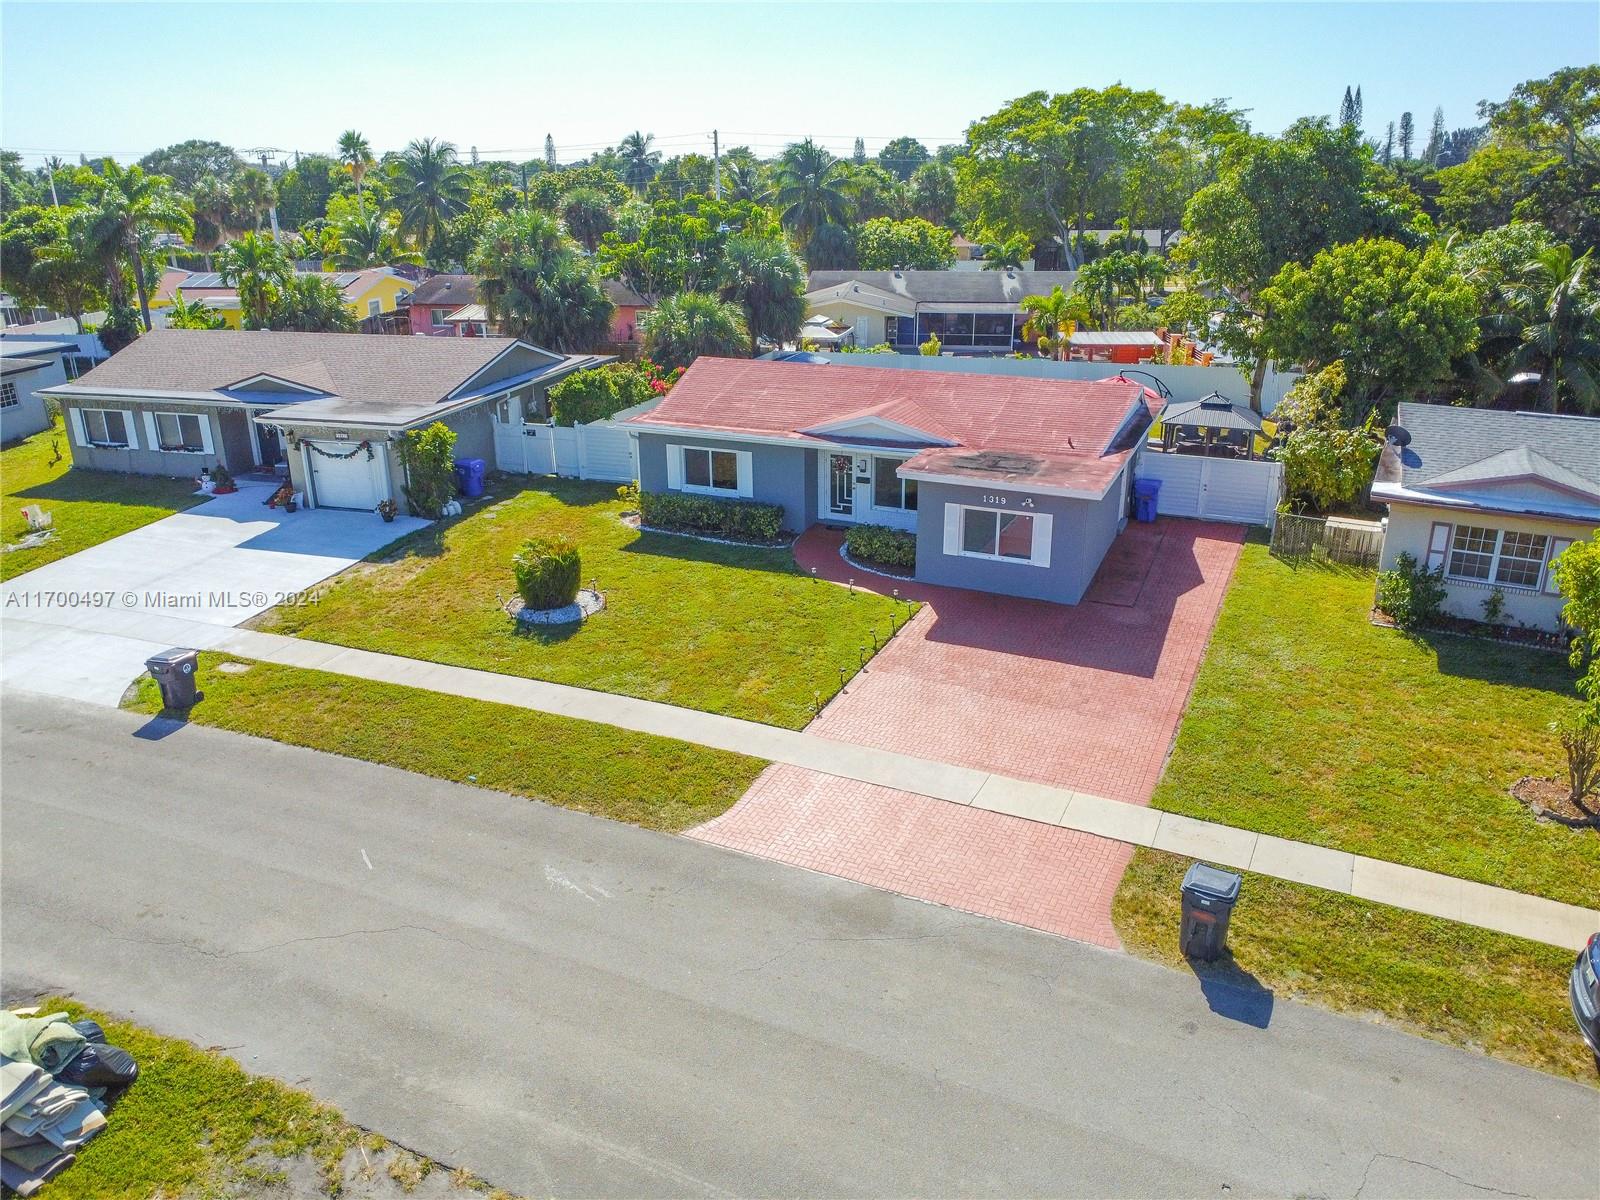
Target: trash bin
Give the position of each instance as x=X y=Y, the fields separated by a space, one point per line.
x=1145 y=494
x=174 y=670
x=1208 y=899
x=469 y=476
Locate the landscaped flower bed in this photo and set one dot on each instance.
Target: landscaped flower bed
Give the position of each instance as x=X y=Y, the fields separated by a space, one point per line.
x=738 y=520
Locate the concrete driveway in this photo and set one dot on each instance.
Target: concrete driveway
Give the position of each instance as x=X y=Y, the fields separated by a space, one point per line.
x=82 y=627
x=1086 y=697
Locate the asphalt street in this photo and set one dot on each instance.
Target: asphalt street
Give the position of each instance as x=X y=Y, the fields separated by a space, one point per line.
x=576 y=1007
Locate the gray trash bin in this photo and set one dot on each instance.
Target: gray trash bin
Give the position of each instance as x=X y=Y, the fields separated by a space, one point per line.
x=174 y=670
x=1208 y=899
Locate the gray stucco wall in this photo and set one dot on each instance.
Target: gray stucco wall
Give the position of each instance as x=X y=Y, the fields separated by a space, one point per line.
x=144 y=460
x=1411 y=526
x=29 y=414
x=1081 y=531
x=783 y=475
x=474 y=433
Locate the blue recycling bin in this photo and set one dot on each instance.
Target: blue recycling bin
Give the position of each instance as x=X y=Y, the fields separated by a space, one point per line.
x=1146 y=492
x=469 y=476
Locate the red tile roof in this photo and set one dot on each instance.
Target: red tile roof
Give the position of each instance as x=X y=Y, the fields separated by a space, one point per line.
x=1052 y=418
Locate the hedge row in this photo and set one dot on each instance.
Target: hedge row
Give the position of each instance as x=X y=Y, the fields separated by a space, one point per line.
x=882 y=545
x=743 y=520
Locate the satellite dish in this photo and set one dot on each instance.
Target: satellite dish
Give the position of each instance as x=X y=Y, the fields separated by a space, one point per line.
x=1399 y=435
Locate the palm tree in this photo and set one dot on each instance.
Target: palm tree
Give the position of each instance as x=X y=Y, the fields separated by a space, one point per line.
x=254 y=195
x=537 y=286
x=430 y=187
x=639 y=160
x=129 y=206
x=355 y=154
x=588 y=216
x=192 y=314
x=743 y=181
x=683 y=327
x=258 y=268
x=310 y=304
x=1051 y=319
x=763 y=276
x=812 y=189
x=369 y=240
x=1554 y=317
x=1008 y=255
x=212 y=211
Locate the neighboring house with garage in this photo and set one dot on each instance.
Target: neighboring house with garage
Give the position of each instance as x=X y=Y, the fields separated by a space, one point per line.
x=326 y=409
x=1489 y=499
x=1010 y=485
x=971 y=312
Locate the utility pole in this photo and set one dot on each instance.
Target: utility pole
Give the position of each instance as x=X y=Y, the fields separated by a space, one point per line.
x=716 y=164
x=272 y=211
x=524 y=183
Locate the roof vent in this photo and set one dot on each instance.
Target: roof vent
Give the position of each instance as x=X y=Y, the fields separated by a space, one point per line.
x=1397 y=435
x=1215 y=400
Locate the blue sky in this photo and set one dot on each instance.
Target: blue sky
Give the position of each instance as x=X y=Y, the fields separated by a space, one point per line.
x=124 y=78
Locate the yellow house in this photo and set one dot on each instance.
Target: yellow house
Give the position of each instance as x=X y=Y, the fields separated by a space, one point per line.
x=367 y=293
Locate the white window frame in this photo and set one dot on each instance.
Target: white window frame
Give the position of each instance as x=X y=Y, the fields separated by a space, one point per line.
x=906 y=486
x=152 y=426
x=439 y=318
x=9 y=396
x=81 y=428
x=955 y=518
x=678 y=472
x=1496 y=553
x=374 y=307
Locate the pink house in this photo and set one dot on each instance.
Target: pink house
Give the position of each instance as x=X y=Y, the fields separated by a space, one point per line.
x=630 y=305
x=436 y=298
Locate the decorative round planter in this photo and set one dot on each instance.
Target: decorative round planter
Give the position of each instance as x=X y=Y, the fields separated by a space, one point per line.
x=587 y=604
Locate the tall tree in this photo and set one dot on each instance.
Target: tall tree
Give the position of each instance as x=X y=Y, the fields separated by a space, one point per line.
x=213 y=213
x=550 y=151
x=811 y=189
x=859 y=155
x=186 y=163
x=1554 y=317
x=901 y=156
x=1386 y=155
x=763 y=276
x=1278 y=201
x=128 y=207
x=588 y=216
x=911 y=245
x=42 y=265
x=682 y=328
x=253 y=195
x=537 y=285
x=1052 y=319
x=257 y=268
x=1408 y=132
x=933 y=193
x=310 y=304
x=430 y=187
x=355 y=155
x=1347 y=110
x=640 y=161
x=1436 y=135
x=369 y=240
x=1395 y=317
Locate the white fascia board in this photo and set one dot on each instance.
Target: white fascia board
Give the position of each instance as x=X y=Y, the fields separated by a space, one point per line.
x=1037 y=489
x=1389 y=493
x=69 y=391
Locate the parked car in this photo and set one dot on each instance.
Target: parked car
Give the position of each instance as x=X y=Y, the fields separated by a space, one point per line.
x=1585 y=991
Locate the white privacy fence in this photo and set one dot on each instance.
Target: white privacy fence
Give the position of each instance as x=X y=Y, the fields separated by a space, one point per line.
x=1214 y=489
x=603 y=450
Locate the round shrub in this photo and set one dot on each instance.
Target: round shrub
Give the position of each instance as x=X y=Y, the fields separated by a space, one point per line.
x=548 y=571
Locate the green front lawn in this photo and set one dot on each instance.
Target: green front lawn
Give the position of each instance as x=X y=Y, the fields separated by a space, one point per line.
x=726 y=629
x=1444 y=980
x=1311 y=723
x=89 y=507
x=651 y=781
x=195 y=1124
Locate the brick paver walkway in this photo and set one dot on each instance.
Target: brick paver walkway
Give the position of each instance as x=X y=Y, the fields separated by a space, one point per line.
x=1086 y=697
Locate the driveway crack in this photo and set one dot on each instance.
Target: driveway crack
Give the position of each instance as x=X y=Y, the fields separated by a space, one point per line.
x=1482 y=1187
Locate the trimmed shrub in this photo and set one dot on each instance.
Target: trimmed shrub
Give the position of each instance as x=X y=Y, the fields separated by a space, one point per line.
x=429 y=459
x=882 y=545
x=742 y=520
x=1411 y=595
x=594 y=395
x=548 y=571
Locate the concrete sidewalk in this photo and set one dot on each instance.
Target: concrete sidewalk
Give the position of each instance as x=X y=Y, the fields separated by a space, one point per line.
x=1533 y=917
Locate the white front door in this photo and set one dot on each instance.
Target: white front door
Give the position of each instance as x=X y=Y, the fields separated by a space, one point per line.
x=840 y=484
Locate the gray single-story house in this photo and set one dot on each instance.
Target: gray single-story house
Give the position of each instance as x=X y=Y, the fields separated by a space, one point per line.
x=30 y=364
x=1490 y=499
x=326 y=409
x=1015 y=486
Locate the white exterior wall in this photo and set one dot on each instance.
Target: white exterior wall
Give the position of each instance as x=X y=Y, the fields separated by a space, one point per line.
x=1410 y=530
x=1214 y=489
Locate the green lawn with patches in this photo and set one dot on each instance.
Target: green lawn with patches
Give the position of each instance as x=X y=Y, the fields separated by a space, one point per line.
x=725 y=629
x=1448 y=981
x=196 y=1124
x=89 y=507
x=651 y=781
x=1311 y=723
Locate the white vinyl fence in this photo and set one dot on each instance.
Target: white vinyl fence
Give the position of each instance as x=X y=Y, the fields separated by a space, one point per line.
x=1214 y=489
x=602 y=450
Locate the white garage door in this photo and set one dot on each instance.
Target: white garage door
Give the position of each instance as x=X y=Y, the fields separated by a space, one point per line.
x=351 y=482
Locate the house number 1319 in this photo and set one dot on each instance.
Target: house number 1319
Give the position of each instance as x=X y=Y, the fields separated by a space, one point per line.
x=1025 y=502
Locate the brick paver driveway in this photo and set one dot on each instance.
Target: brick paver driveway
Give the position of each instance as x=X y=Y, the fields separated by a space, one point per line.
x=1086 y=697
